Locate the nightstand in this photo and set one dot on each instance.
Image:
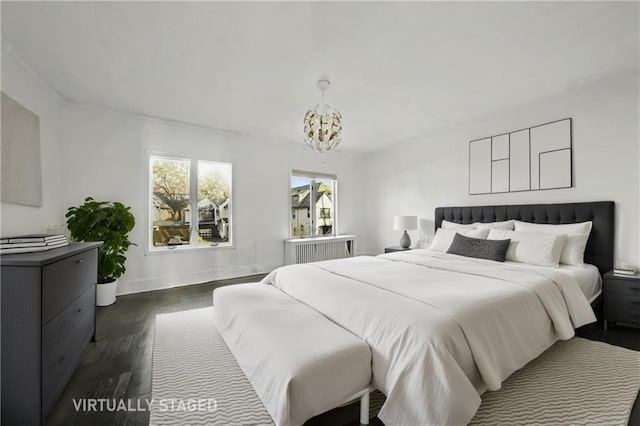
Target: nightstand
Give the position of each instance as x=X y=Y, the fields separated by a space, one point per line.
x=621 y=299
x=395 y=248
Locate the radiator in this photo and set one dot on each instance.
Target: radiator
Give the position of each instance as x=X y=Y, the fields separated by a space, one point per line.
x=304 y=250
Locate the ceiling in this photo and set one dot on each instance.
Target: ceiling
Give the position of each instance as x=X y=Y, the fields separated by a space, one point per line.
x=398 y=70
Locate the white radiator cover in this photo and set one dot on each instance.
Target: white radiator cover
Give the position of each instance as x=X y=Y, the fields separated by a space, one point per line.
x=304 y=250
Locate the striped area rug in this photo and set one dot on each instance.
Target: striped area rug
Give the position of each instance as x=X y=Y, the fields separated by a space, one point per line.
x=195 y=378
x=575 y=382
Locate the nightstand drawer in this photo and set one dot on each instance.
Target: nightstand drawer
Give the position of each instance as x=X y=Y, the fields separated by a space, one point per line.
x=623 y=287
x=623 y=314
x=623 y=301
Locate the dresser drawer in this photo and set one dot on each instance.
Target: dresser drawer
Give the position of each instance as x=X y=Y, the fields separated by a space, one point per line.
x=58 y=365
x=623 y=314
x=56 y=329
x=625 y=287
x=65 y=280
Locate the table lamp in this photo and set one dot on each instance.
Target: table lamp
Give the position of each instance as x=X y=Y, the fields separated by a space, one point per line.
x=402 y=223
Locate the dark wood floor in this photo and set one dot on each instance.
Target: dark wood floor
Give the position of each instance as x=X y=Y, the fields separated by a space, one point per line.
x=118 y=365
x=627 y=337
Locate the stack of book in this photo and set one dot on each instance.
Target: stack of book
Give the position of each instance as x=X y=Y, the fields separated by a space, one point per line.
x=624 y=271
x=32 y=243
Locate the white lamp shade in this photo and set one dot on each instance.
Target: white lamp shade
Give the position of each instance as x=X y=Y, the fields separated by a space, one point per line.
x=405 y=223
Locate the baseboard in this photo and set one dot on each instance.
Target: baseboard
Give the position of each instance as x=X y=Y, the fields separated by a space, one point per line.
x=161 y=283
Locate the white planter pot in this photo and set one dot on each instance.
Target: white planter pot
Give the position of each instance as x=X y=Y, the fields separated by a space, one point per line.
x=106 y=293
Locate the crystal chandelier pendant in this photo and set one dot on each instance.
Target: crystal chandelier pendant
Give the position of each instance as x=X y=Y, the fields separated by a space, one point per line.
x=323 y=124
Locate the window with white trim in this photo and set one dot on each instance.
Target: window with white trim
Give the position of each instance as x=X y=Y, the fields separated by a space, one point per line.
x=313 y=204
x=190 y=203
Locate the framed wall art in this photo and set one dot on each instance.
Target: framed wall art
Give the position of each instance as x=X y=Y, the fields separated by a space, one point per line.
x=531 y=159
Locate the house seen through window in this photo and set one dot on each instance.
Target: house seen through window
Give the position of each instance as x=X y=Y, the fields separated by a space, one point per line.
x=313 y=204
x=190 y=203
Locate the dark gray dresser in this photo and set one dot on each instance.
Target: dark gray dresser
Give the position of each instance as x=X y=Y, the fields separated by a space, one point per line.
x=48 y=317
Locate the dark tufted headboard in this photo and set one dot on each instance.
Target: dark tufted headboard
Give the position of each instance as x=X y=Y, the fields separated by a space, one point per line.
x=599 y=251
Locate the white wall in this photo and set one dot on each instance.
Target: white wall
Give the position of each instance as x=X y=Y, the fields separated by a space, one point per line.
x=106 y=158
x=19 y=83
x=415 y=177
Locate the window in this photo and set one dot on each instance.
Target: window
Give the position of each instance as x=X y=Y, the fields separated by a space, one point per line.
x=313 y=204
x=190 y=203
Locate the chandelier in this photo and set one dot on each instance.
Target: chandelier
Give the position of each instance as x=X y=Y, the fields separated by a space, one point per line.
x=322 y=123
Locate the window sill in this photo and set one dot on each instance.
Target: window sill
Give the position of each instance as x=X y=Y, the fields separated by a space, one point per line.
x=324 y=238
x=185 y=249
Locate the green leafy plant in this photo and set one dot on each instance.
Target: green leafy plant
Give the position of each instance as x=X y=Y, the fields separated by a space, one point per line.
x=109 y=222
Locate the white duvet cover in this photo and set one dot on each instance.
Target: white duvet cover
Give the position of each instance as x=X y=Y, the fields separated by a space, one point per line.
x=442 y=328
x=587 y=276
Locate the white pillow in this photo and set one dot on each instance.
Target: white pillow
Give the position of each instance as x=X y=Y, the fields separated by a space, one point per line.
x=444 y=237
x=577 y=236
x=566 y=228
x=507 y=224
x=573 y=251
x=533 y=248
x=452 y=225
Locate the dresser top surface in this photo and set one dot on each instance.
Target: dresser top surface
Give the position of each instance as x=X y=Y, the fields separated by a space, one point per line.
x=42 y=258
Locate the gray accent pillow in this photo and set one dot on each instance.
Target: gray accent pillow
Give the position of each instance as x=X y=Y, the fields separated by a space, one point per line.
x=479 y=248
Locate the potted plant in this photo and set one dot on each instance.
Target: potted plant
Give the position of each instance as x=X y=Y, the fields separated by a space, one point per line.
x=109 y=222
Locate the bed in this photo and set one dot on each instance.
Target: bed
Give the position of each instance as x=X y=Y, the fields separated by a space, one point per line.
x=442 y=328
x=600 y=246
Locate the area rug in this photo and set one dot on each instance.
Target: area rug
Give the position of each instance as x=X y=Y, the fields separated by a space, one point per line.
x=575 y=382
x=196 y=380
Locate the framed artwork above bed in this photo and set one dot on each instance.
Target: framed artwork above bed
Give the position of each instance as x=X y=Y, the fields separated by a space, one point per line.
x=531 y=159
